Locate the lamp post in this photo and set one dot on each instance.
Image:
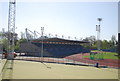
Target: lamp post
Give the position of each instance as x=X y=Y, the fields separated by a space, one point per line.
x=42 y=30
x=68 y=37
x=98 y=33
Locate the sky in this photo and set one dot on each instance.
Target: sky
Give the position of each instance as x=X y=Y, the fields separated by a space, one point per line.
x=74 y=19
x=119 y=17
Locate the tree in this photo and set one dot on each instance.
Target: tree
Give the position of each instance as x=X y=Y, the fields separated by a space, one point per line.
x=22 y=35
x=17 y=44
x=113 y=39
x=92 y=40
x=5 y=45
x=104 y=44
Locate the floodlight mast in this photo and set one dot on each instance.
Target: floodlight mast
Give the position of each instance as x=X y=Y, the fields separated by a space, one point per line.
x=11 y=29
x=98 y=33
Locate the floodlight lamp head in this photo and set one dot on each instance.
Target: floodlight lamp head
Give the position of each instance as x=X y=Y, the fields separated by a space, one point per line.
x=99 y=19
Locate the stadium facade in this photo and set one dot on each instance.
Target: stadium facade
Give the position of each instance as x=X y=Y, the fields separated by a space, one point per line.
x=53 y=47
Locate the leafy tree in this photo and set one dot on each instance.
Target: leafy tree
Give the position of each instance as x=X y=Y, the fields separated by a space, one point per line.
x=104 y=44
x=92 y=40
x=113 y=39
x=5 y=45
x=17 y=44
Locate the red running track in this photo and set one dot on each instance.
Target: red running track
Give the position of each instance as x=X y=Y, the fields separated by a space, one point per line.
x=105 y=62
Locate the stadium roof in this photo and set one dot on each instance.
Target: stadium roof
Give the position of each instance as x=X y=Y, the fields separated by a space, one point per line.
x=59 y=40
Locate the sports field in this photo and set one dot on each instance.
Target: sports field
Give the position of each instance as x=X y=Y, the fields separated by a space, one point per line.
x=109 y=59
x=38 y=70
x=105 y=55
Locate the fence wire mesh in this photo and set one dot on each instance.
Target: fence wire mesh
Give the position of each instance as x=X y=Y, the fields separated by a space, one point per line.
x=76 y=59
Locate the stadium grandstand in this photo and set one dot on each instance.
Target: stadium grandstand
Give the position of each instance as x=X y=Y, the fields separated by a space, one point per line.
x=48 y=46
x=53 y=47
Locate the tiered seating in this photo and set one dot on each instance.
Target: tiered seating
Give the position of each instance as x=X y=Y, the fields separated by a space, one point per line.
x=62 y=50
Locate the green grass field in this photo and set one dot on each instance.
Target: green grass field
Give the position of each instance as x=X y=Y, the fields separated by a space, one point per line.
x=106 y=55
